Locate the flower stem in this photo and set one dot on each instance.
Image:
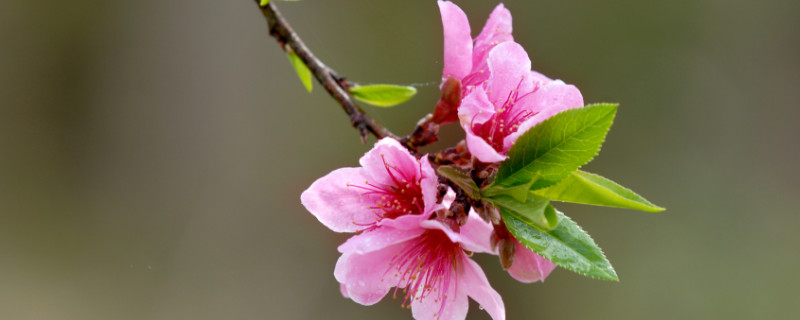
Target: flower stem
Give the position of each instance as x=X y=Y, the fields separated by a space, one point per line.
x=333 y=83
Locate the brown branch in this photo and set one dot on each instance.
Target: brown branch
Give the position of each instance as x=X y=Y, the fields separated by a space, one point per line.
x=335 y=85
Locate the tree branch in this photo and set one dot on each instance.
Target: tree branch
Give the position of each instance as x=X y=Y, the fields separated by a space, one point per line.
x=335 y=85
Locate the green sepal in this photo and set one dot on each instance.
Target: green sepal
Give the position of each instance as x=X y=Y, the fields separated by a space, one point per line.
x=557 y=146
x=383 y=95
x=302 y=70
x=264 y=2
x=462 y=179
x=588 y=188
x=567 y=245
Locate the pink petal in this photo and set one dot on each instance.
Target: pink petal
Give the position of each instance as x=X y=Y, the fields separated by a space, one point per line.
x=455 y=307
x=390 y=152
x=429 y=186
x=482 y=150
x=457 y=41
x=476 y=233
x=545 y=102
x=343 y=290
x=475 y=109
x=497 y=30
x=472 y=236
x=508 y=65
x=474 y=282
x=337 y=206
x=390 y=232
x=528 y=266
x=361 y=275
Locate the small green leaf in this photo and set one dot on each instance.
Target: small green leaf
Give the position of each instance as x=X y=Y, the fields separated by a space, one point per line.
x=460 y=178
x=537 y=210
x=588 y=188
x=567 y=245
x=264 y=2
x=518 y=192
x=557 y=146
x=383 y=95
x=302 y=70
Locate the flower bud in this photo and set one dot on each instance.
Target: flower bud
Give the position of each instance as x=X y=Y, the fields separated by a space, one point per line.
x=447 y=107
x=507 y=250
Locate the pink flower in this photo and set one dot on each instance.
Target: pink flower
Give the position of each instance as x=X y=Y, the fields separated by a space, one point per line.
x=390 y=183
x=426 y=259
x=503 y=98
x=465 y=59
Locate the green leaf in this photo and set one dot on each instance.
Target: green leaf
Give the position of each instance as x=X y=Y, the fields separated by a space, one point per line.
x=302 y=70
x=557 y=146
x=518 y=192
x=588 y=188
x=383 y=95
x=460 y=178
x=535 y=209
x=567 y=245
x=264 y=2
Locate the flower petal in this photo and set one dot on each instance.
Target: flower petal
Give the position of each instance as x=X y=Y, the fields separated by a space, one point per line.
x=476 y=233
x=429 y=185
x=361 y=275
x=508 y=65
x=472 y=236
x=545 y=102
x=474 y=282
x=482 y=150
x=475 y=109
x=528 y=266
x=457 y=41
x=496 y=30
x=390 y=232
x=337 y=206
x=388 y=151
x=429 y=307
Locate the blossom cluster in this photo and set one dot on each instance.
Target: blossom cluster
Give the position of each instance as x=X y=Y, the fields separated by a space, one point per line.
x=412 y=236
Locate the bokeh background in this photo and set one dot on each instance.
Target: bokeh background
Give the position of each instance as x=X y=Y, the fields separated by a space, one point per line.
x=152 y=154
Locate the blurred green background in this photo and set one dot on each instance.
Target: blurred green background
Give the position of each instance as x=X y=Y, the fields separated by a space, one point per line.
x=153 y=154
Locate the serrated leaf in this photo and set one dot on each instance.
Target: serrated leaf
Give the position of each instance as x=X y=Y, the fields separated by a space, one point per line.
x=588 y=188
x=567 y=245
x=537 y=210
x=557 y=146
x=302 y=70
x=383 y=95
x=460 y=178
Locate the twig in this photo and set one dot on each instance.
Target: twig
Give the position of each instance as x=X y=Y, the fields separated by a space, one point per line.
x=335 y=85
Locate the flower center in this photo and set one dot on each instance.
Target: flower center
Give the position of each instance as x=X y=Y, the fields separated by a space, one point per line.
x=424 y=269
x=505 y=121
x=401 y=197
